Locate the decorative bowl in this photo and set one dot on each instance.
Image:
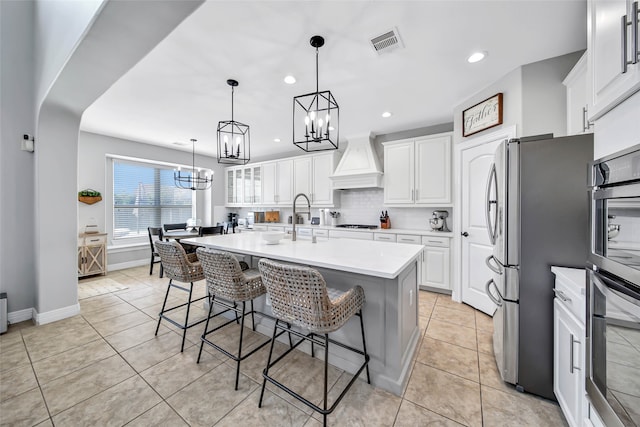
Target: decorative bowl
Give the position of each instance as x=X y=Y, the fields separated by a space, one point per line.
x=272 y=237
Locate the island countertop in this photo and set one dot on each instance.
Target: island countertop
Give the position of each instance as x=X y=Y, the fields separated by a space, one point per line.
x=372 y=258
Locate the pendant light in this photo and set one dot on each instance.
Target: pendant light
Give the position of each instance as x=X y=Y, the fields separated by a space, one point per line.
x=316 y=116
x=234 y=145
x=195 y=179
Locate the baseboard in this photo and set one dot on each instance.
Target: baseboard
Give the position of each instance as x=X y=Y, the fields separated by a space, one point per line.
x=54 y=315
x=20 y=315
x=128 y=264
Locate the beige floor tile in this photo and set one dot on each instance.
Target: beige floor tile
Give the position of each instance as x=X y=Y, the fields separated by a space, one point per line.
x=154 y=351
x=78 y=386
x=40 y=347
x=101 y=302
x=16 y=381
x=453 y=334
x=171 y=375
x=54 y=328
x=161 y=415
x=205 y=401
x=112 y=407
x=457 y=317
x=253 y=366
x=13 y=354
x=485 y=342
x=111 y=312
x=139 y=334
x=274 y=411
x=154 y=300
x=26 y=409
x=312 y=422
x=412 y=415
x=490 y=377
x=121 y=323
x=137 y=293
x=446 y=301
x=484 y=322
x=506 y=409
x=72 y=360
x=45 y=423
x=450 y=358
x=445 y=394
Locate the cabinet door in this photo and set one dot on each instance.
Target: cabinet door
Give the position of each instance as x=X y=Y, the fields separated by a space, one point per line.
x=609 y=85
x=238 y=186
x=257 y=184
x=302 y=176
x=433 y=170
x=230 y=200
x=247 y=184
x=95 y=259
x=80 y=260
x=284 y=183
x=578 y=99
x=435 y=268
x=398 y=173
x=568 y=356
x=322 y=190
x=269 y=183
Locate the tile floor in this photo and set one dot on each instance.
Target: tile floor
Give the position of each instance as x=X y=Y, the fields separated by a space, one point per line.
x=106 y=367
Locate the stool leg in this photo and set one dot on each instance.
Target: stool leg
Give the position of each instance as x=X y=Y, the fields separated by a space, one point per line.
x=163 y=305
x=206 y=326
x=186 y=319
x=326 y=371
x=151 y=266
x=161 y=271
x=266 y=370
x=240 y=345
x=253 y=322
x=364 y=345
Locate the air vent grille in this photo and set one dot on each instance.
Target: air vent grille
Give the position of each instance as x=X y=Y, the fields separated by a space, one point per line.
x=387 y=42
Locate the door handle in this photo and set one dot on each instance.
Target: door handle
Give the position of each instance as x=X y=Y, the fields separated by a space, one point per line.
x=561 y=295
x=464 y=234
x=492 y=179
x=572 y=341
x=493 y=267
x=490 y=295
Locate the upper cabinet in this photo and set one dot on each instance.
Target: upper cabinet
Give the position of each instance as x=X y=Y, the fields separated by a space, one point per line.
x=277 y=183
x=311 y=177
x=613 y=71
x=578 y=99
x=417 y=171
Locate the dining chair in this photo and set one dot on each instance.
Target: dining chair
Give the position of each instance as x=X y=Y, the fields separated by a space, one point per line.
x=181 y=267
x=207 y=231
x=177 y=226
x=299 y=296
x=155 y=233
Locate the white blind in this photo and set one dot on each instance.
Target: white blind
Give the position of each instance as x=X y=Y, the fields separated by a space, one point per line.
x=144 y=195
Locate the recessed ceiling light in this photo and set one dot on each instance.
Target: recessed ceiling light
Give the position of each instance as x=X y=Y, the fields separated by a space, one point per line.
x=386 y=114
x=476 y=57
x=289 y=79
x=276 y=140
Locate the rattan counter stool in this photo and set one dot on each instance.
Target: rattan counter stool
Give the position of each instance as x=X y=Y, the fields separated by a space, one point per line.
x=299 y=296
x=181 y=267
x=230 y=284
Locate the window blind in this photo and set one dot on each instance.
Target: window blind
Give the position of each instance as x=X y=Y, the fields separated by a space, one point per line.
x=144 y=195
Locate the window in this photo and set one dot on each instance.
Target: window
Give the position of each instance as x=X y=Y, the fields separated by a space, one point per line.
x=144 y=195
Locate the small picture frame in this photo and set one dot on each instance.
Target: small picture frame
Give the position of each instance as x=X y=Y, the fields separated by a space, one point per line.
x=484 y=115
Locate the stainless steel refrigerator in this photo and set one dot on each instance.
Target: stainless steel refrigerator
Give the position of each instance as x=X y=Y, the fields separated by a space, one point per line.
x=537 y=216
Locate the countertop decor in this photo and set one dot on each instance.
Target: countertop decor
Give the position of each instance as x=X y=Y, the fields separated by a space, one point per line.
x=89 y=196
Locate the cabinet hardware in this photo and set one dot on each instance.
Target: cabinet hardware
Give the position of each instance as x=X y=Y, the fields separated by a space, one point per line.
x=417 y=190
x=434 y=241
x=634 y=37
x=561 y=295
x=464 y=234
x=586 y=124
x=572 y=341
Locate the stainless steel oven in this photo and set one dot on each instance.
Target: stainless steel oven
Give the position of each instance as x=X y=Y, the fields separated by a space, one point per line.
x=613 y=324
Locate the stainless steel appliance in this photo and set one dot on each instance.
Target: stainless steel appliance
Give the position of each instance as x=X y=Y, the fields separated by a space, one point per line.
x=537 y=216
x=613 y=310
x=438 y=221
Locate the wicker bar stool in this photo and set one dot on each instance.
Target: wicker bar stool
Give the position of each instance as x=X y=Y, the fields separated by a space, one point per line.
x=299 y=296
x=181 y=267
x=229 y=284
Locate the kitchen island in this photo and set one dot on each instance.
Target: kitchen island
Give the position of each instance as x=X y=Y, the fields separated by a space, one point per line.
x=387 y=272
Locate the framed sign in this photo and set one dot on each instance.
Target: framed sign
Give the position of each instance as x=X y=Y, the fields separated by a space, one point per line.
x=484 y=115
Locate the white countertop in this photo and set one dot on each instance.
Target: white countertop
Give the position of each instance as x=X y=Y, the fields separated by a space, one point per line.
x=371 y=258
x=420 y=232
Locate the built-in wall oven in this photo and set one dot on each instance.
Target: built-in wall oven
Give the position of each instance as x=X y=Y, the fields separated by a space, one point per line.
x=613 y=324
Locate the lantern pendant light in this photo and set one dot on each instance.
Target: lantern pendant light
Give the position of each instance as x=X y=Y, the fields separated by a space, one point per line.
x=316 y=116
x=194 y=180
x=233 y=138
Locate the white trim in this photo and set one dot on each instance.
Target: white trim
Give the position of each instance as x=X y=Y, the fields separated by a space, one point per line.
x=115 y=249
x=55 y=315
x=155 y=162
x=20 y=315
x=128 y=264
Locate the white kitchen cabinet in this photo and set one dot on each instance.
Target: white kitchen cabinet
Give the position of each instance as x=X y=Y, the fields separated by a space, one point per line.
x=234 y=180
x=252 y=185
x=277 y=183
x=418 y=171
x=610 y=83
x=92 y=254
x=578 y=99
x=311 y=177
x=436 y=264
x=384 y=237
x=347 y=234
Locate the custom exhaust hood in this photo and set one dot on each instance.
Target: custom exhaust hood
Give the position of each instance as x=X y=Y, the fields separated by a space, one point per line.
x=359 y=166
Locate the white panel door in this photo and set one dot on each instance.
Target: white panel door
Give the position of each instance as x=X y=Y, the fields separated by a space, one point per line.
x=476 y=247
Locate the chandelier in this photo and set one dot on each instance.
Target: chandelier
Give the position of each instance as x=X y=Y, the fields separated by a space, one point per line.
x=233 y=138
x=316 y=116
x=195 y=179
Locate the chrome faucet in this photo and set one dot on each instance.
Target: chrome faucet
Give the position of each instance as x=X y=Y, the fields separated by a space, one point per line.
x=294 y=220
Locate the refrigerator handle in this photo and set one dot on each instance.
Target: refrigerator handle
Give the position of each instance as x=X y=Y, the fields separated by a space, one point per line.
x=492 y=230
x=496 y=301
x=495 y=267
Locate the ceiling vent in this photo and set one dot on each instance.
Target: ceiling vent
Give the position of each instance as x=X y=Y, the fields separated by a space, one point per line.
x=387 y=42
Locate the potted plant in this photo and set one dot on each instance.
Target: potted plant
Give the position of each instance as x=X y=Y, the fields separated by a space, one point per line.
x=89 y=196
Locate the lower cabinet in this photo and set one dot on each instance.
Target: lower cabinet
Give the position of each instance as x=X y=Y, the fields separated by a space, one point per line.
x=92 y=254
x=436 y=265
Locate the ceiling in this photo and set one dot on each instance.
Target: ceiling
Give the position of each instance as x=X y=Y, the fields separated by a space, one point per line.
x=179 y=90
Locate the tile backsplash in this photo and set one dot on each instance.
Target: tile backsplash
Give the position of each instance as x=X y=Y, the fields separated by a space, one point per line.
x=363 y=206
